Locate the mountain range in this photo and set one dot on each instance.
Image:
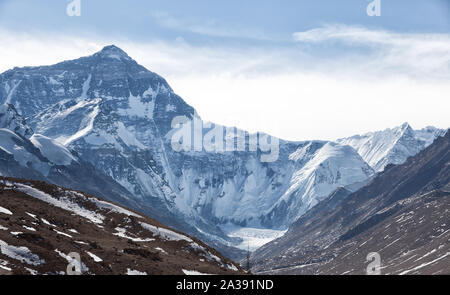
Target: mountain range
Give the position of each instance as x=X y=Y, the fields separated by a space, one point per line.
x=402 y=215
x=103 y=124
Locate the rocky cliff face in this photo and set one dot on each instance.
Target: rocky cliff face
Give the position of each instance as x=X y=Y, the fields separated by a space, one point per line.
x=12 y=120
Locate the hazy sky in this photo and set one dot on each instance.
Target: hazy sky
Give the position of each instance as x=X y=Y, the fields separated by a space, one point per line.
x=319 y=69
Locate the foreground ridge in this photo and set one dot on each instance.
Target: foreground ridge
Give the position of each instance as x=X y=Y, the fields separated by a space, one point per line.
x=42 y=226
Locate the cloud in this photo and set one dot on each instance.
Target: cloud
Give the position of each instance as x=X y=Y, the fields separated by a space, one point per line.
x=208 y=27
x=415 y=55
x=284 y=91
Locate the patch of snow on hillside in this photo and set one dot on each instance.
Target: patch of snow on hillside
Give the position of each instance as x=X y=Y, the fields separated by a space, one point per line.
x=165 y=233
x=5 y=211
x=20 y=253
x=121 y=232
x=95 y=257
x=114 y=208
x=161 y=250
x=63 y=234
x=63 y=203
x=194 y=273
x=132 y=272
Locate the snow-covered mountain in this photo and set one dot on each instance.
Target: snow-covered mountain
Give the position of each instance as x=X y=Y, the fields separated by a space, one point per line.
x=330 y=167
x=117 y=116
x=402 y=214
x=41 y=158
x=392 y=146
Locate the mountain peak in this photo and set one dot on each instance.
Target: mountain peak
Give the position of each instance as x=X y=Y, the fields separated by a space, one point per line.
x=405 y=126
x=112 y=51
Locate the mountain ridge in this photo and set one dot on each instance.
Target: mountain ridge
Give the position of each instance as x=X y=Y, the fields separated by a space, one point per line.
x=117 y=116
x=391 y=146
x=42 y=237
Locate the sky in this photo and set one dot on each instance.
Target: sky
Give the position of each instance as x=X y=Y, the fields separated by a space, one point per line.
x=295 y=69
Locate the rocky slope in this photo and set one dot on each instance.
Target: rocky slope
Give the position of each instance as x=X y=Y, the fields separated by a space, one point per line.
x=42 y=224
x=403 y=214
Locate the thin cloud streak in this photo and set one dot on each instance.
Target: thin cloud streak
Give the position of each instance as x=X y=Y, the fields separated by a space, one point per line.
x=209 y=27
x=415 y=55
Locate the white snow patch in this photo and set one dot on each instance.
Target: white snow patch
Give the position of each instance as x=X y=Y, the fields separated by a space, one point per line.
x=28 y=228
x=3 y=265
x=105 y=205
x=5 y=268
x=121 y=232
x=194 y=273
x=82 y=132
x=63 y=234
x=47 y=223
x=165 y=233
x=207 y=254
x=63 y=203
x=95 y=257
x=20 y=253
x=32 y=215
x=31 y=271
x=232 y=267
x=132 y=272
x=5 y=211
x=161 y=250
x=425 y=264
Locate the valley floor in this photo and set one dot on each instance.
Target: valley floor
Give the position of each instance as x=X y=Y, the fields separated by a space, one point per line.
x=253 y=238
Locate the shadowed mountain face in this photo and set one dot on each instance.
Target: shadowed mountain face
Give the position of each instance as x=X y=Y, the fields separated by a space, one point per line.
x=403 y=214
x=42 y=224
